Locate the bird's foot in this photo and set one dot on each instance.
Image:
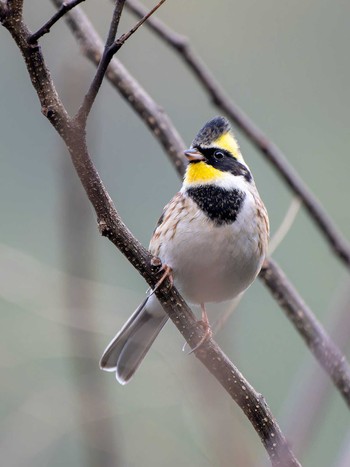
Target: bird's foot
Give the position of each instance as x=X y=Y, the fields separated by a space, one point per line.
x=208 y=333
x=167 y=273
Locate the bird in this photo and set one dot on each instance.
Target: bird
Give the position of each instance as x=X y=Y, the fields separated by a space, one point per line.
x=211 y=238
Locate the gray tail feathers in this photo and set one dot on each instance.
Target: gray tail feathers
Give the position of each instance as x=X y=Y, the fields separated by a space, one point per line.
x=129 y=347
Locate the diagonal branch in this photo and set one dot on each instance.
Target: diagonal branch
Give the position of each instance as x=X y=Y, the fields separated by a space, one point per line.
x=325 y=351
x=53 y=20
x=111 y=226
x=272 y=153
x=119 y=77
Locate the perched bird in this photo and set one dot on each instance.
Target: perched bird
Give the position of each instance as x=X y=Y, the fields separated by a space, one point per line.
x=211 y=238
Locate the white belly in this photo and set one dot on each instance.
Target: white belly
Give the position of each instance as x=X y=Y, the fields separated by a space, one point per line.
x=213 y=263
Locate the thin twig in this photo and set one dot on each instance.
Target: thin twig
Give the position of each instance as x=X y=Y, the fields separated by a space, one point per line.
x=118 y=43
x=66 y=6
x=111 y=48
x=113 y=28
x=285 y=225
x=323 y=348
x=223 y=318
x=91 y=45
x=272 y=153
x=106 y=57
x=112 y=227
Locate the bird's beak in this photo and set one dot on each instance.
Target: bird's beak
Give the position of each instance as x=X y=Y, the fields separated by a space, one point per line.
x=193 y=155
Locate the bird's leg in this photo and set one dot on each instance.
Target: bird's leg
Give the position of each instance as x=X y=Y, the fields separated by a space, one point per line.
x=207 y=330
x=206 y=325
x=168 y=272
x=204 y=319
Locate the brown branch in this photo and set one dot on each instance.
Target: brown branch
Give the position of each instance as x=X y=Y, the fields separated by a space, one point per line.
x=53 y=20
x=110 y=49
x=113 y=28
x=112 y=227
x=118 y=43
x=16 y=7
x=271 y=152
x=92 y=46
x=323 y=348
x=106 y=57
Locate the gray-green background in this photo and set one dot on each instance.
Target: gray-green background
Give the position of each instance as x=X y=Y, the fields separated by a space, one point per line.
x=64 y=291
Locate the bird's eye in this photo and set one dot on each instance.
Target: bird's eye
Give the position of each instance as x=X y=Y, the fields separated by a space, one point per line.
x=219 y=155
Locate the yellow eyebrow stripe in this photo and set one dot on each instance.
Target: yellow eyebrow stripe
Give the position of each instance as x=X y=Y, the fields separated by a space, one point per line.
x=228 y=142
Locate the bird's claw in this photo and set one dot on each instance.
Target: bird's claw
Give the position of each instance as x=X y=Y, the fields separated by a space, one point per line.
x=167 y=273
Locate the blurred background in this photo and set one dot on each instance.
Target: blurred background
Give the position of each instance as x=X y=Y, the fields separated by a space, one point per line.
x=65 y=291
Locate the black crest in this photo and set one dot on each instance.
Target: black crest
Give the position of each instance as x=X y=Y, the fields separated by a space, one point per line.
x=216 y=127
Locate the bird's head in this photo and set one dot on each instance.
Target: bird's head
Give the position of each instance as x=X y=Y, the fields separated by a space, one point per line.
x=215 y=157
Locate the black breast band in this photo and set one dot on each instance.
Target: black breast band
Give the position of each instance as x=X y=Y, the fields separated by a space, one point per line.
x=220 y=205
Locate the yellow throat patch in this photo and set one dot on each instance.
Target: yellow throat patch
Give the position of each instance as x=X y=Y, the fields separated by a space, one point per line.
x=200 y=172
